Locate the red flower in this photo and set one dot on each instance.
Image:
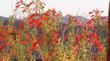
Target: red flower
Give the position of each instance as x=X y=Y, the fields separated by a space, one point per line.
x=77 y=21
x=3 y=45
x=21 y=26
x=56 y=34
x=24 y=42
x=31 y=16
x=95 y=36
x=38 y=24
x=74 y=42
x=56 y=41
x=47 y=13
x=92 y=27
x=91 y=21
x=34 y=45
x=31 y=48
x=95 y=41
x=3 y=32
x=28 y=37
x=77 y=39
x=98 y=45
x=32 y=23
x=91 y=24
x=42 y=40
x=81 y=35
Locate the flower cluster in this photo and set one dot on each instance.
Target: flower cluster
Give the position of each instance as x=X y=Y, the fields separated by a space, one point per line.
x=44 y=36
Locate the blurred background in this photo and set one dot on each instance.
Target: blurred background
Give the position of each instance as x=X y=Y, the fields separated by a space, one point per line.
x=73 y=7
